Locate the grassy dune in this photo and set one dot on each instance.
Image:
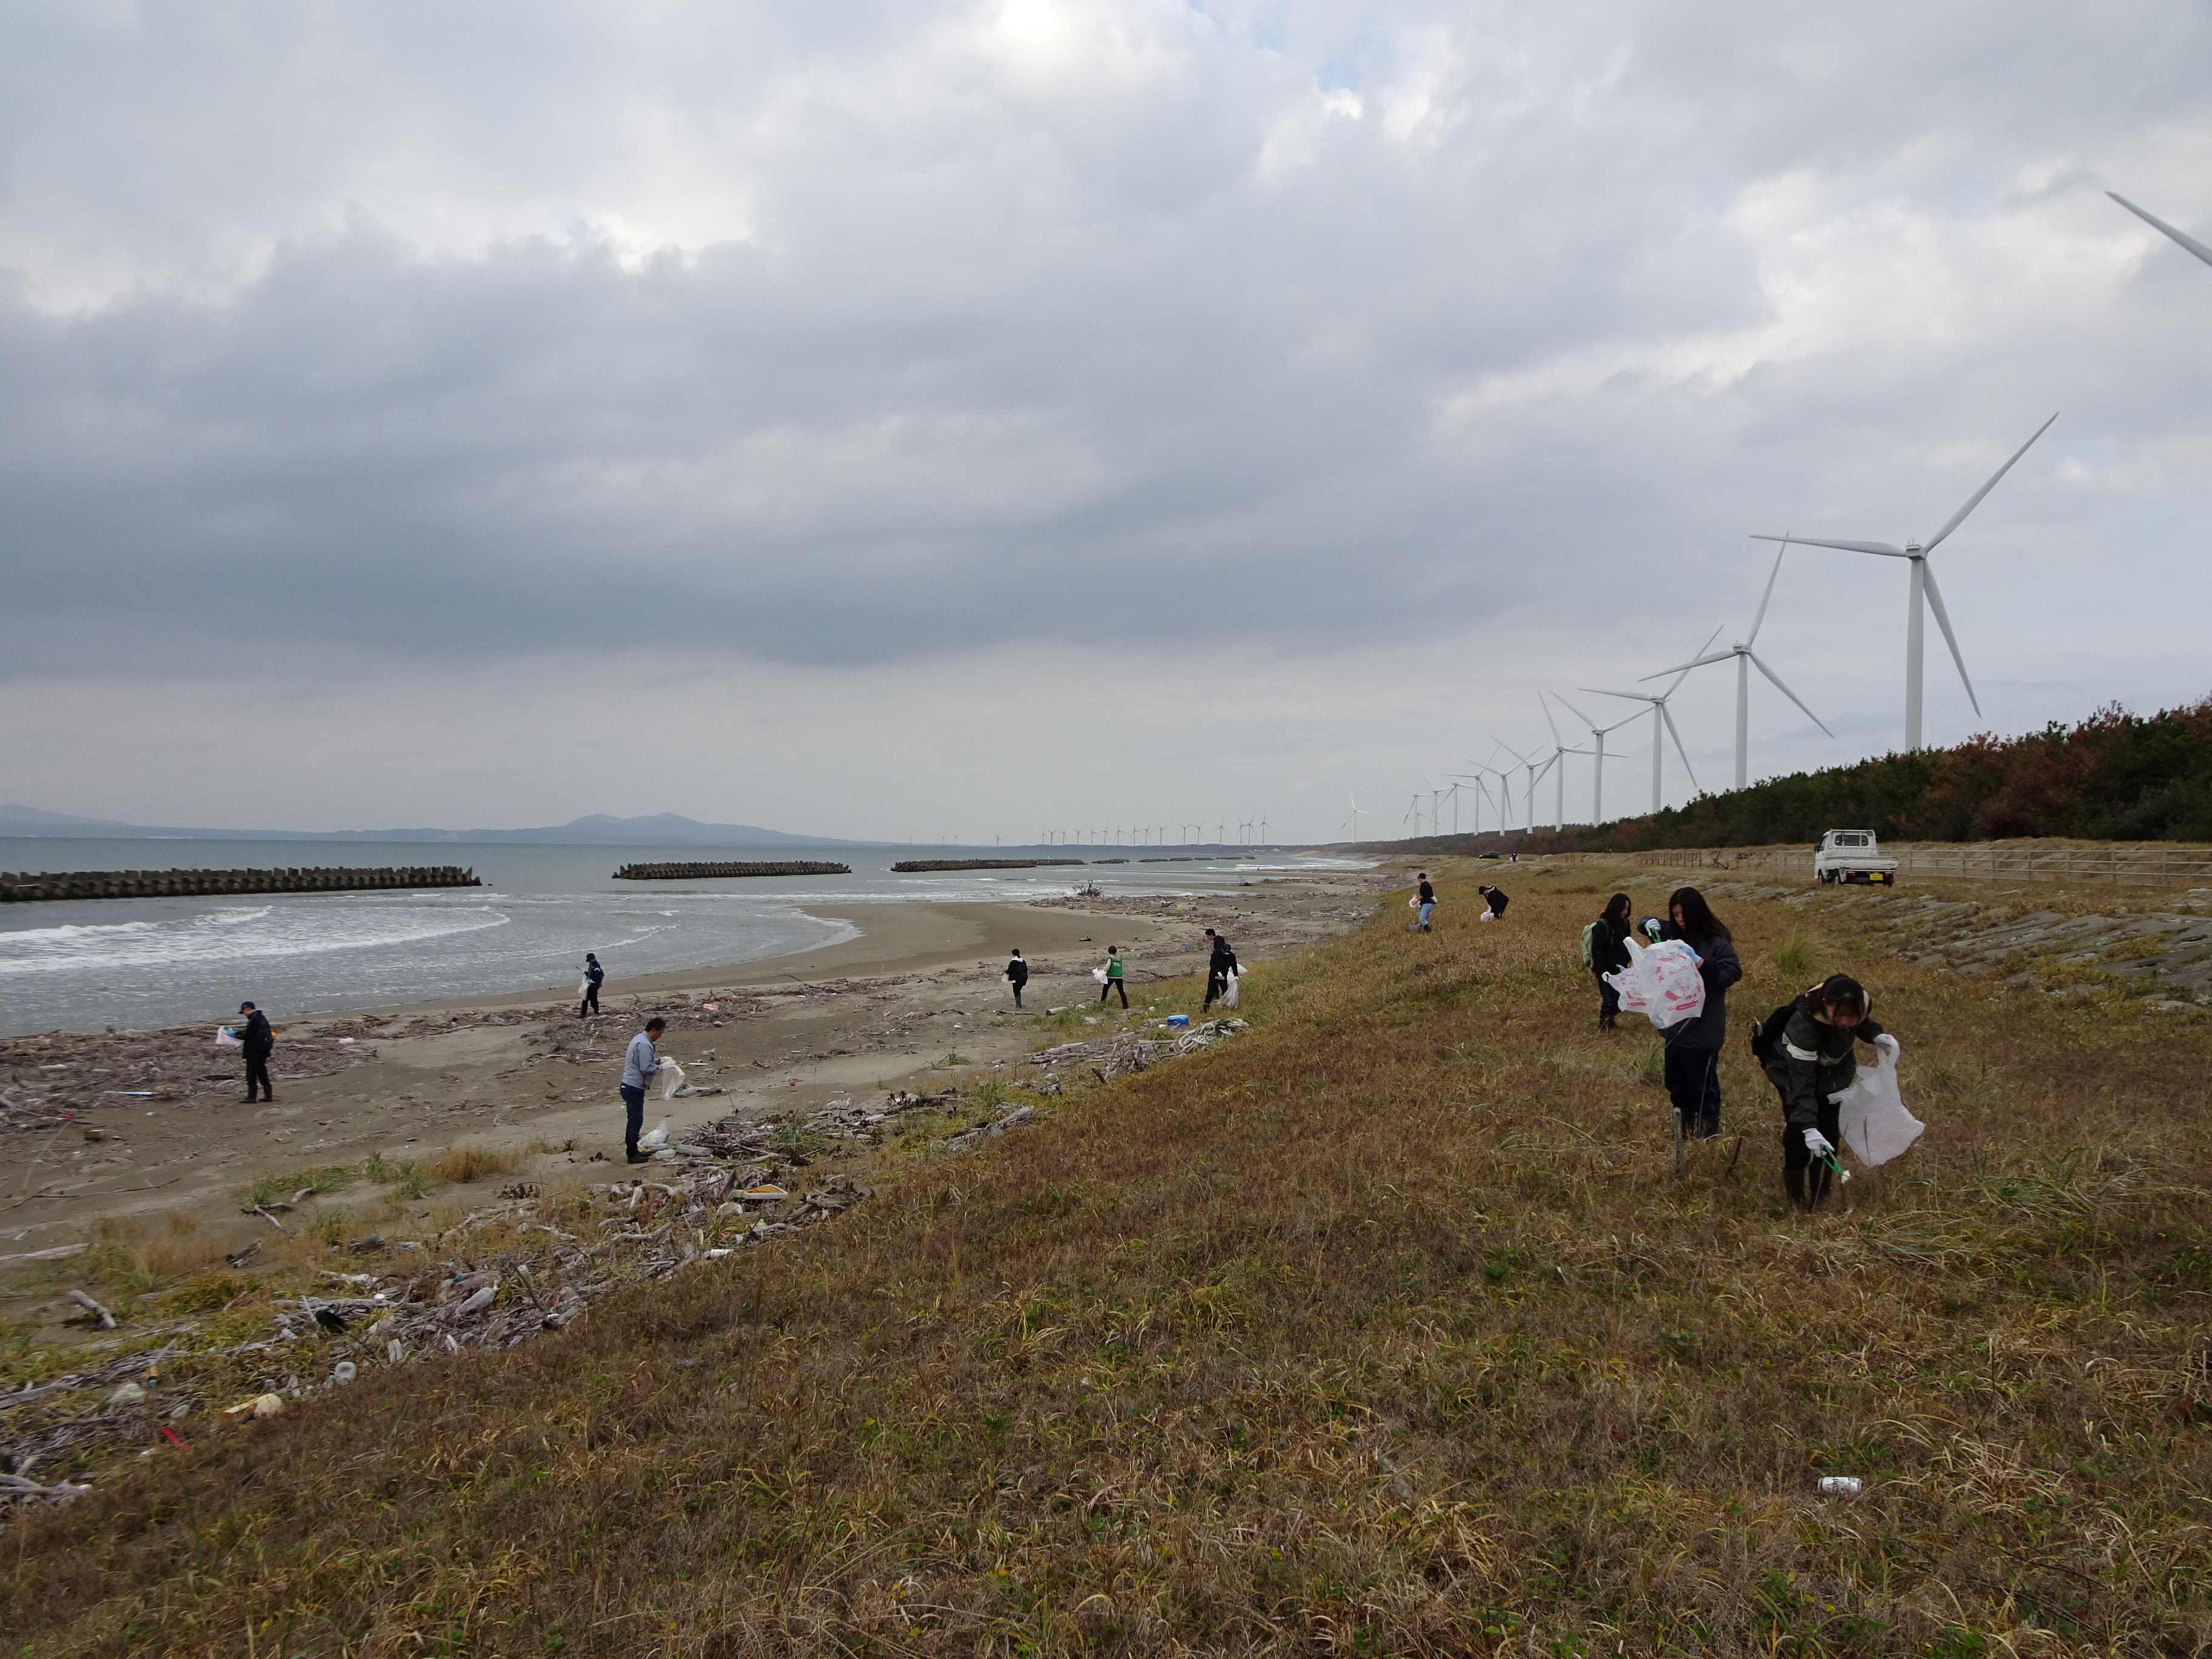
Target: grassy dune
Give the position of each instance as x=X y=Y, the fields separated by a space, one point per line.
x=1386 y=1328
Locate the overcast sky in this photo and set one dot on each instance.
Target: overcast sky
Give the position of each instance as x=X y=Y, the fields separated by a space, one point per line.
x=907 y=419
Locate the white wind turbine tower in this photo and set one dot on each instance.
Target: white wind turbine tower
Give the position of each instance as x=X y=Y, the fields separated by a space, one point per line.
x=1923 y=583
x=1354 y=819
x=1504 y=789
x=1528 y=788
x=1597 y=771
x=1559 y=753
x=2156 y=223
x=1661 y=715
x=1746 y=659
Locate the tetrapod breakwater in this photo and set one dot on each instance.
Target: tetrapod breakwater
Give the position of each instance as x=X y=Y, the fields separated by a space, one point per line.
x=915 y=866
x=708 y=871
x=28 y=889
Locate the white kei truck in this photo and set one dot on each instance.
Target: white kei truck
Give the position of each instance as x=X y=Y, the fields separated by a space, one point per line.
x=1851 y=855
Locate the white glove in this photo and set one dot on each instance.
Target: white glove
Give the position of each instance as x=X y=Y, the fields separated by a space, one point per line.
x=1887 y=1044
x=1818 y=1143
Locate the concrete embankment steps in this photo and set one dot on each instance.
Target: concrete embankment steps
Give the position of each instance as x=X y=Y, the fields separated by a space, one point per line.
x=28 y=889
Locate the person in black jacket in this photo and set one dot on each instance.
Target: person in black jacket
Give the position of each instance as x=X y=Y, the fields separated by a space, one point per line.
x=1218 y=967
x=1813 y=1057
x=257 y=1040
x=593 y=975
x=1494 y=897
x=1609 y=954
x=1018 y=974
x=1693 y=1046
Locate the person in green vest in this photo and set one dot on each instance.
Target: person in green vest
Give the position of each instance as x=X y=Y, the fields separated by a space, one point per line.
x=1114 y=984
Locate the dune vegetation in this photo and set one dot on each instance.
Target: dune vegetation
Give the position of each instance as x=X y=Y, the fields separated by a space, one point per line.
x=1388 y=1327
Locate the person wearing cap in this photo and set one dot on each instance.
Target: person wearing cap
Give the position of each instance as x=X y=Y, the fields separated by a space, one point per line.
x=256 y=1037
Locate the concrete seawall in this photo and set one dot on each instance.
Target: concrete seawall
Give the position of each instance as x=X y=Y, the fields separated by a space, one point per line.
x=28 y=889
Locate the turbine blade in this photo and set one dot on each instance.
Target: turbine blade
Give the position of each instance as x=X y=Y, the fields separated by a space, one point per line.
x=1882 y=548
x=1546 y=703
x=1511 y=751
x=2157 y=223
x=1758 y=622
x=1975 y=499
x=1718 y=656
x=1681 y=674
x=1633 y=697
x=1760 y=665
x=1578 y=712
x=1943 y=622
x=1679 y=750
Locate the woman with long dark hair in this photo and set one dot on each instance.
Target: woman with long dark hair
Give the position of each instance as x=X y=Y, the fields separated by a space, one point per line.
x=1609 y=954
x=1693 y=1048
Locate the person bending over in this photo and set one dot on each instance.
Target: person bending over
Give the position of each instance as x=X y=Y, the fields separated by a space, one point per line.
x=1813 y=1058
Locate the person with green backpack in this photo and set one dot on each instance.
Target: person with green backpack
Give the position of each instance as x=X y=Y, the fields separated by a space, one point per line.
x=1605 y=951
x=1110 y=978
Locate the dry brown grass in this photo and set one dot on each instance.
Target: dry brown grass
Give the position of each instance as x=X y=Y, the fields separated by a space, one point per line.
x=1387 y=1328
x=466 y=1161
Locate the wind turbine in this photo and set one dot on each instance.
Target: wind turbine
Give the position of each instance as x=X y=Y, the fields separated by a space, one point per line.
x=1597 y=775
x=1923 y=582
x=1354 y=819
x=2155 y=223
x=1559 y=753
x=1529 y=790
x=1746 y=659
x=1505 y=789
x=1660 y=714
x=1414 y=813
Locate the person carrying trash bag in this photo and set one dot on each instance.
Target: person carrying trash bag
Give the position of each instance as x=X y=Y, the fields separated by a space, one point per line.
x=1693 y=1046
x=1424 y=903
x=1808 y=1051
x=1220 y=968
x=1494 y=902
x=588 y=990
x=258 y=1039
x=1111 y=981
x=1605 y=951
x=640 y=1061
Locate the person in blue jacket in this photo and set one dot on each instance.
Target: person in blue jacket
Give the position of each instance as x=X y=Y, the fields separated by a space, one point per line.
x=594 y=974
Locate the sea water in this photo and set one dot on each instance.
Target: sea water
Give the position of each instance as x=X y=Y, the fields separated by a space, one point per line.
x=133 y=963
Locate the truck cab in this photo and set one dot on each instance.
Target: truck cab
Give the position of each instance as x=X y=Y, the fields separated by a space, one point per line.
x=1851 y=855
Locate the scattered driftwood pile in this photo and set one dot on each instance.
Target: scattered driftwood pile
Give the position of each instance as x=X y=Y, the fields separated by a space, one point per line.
x=916 y=866
x=709 y=872
x=27 y=888
x=1108 y=1057
x=502 y=1275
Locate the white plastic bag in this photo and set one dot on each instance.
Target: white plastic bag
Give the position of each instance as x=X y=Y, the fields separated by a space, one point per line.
x=1661 y=983
x=227 y=1038
x=583 y=987
x=1098 y=974
x=653 y=1139
x=1876 y=1125
x=1228 y=997
x=672 y=1078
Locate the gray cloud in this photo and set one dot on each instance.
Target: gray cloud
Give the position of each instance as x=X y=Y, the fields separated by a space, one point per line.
x=843 y=337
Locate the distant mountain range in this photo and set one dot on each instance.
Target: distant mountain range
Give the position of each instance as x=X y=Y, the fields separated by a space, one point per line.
x=598 y=829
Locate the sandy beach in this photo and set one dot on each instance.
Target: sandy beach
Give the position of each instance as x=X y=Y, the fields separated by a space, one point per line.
x=121 y=1125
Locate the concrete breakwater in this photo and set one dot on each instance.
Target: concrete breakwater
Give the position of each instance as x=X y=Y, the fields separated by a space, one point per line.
x=28 y=889
x=915 y=866
x=705 y=872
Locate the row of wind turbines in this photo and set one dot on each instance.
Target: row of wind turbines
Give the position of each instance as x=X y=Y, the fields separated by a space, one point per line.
x=1924 y=595
x=1248 y=830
